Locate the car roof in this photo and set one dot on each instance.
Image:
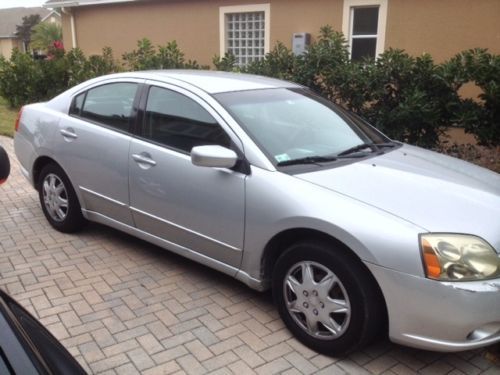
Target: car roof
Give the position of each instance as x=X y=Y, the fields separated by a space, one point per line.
x=212 y=82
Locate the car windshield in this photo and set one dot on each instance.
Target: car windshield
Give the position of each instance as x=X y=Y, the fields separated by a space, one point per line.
x=297 y=125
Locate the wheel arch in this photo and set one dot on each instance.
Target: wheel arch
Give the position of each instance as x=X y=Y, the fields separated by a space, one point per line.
x=40 y=163
x=278 y=244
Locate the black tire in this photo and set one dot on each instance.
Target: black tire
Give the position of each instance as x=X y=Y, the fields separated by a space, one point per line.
x=356 y=327
x=70 y=218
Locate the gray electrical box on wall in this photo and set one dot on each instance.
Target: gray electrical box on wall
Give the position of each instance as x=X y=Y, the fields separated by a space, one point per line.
x=300 y=42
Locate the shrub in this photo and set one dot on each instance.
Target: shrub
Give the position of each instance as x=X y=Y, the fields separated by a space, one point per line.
x=280 y=63
x=325 y=59
x=17 y=76
x=480 y=117
x=409 y=98
x=25 y=80
x=146 y=57
x=227 y=63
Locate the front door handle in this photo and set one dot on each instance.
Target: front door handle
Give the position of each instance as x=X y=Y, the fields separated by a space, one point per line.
x=68 y=133
x=143 y=159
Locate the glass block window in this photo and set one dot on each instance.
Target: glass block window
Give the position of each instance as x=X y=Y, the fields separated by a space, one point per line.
x=364 y=32
x=245 y=36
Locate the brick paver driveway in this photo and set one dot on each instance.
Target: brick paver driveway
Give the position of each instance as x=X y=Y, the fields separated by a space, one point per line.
x=121 y=305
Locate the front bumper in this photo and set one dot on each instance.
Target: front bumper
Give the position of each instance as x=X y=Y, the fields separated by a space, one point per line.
x=441 y=316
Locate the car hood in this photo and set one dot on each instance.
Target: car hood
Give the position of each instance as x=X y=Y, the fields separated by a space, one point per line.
x=436 y=192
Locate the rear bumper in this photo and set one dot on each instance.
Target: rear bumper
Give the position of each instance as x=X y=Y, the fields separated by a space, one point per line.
x=25 y=154
x=440 y=316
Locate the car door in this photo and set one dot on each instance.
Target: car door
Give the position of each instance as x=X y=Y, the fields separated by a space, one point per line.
x=198 y=208
x=93 y=144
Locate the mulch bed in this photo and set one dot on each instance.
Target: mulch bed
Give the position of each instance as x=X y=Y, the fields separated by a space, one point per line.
x=484 y=156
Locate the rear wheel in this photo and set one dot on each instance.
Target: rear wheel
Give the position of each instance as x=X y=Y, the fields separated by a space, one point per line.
x=58 y=200
x=327 y=298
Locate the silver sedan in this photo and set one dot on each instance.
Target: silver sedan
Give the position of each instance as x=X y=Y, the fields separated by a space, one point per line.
x=265 y=181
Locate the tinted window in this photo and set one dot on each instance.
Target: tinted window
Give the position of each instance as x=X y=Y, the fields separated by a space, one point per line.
x=76 y=107
x=177 y=121
x=109 y=104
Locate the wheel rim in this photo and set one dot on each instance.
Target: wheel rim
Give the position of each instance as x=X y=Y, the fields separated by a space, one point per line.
x=317 y=300
x=55 y=197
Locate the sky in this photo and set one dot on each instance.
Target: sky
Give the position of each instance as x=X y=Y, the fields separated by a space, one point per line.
x=21 y=3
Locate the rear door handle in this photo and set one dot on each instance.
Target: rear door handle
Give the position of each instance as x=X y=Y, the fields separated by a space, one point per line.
x=143 y=158
x=68 y=133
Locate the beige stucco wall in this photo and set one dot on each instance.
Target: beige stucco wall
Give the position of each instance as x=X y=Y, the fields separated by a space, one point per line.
x=194 y=24
x=295 y=16
x=439 y=27
x=6 y=46
x=443 y=27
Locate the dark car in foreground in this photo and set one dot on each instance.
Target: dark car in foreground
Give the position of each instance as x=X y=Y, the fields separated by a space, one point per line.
x=26 y=347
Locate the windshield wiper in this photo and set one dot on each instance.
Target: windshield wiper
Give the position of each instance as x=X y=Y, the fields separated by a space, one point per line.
x=308 y=160
x=358 y=148
x=386 y=144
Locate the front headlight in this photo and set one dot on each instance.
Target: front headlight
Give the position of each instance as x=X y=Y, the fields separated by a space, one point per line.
x=458 y=257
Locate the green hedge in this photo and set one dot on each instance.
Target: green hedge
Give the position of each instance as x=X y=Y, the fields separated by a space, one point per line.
x=409 y=98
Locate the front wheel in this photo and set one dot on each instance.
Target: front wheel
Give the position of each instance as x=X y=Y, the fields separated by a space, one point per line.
x=58 y=200
x=326 y=298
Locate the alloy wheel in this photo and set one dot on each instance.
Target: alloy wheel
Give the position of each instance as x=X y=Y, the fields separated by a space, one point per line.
x=55 y=197
x=317 y=300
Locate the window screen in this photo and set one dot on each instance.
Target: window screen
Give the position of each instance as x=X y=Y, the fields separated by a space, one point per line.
x=110 y=104
x=245 y=36
x=177 y=121
x=364 y=32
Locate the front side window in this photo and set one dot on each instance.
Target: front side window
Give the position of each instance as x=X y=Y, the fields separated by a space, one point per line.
x=245 y=32
x=110 y=104
x=176 y=121
x=294 y=124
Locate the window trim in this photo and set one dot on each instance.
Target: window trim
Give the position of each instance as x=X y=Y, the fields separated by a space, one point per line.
x=266 y=8
x=347 y=22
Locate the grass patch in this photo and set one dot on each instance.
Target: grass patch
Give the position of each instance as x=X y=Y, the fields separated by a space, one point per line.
x=7 y=118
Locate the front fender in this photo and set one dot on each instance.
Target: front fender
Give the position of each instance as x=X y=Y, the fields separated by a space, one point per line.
x=276 y=202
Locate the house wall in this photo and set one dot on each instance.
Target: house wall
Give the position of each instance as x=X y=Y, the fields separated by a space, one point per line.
x=6 y=46
x=444 y=27
x=193 y=24
x=441 y=28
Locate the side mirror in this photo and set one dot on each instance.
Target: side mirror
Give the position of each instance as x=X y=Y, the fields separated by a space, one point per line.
x=213 y=156
x=4 y=165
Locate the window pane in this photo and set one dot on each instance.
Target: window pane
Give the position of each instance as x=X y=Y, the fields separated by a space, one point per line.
x=177 y=121
x=110 y=104
x=365 y=21
x=363 y=47
x=251 y=33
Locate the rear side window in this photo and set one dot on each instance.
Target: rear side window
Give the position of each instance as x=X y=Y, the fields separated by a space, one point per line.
x=110 y=105
x=176 y=121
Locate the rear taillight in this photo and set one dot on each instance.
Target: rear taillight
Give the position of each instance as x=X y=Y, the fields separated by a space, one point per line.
x=18 y=119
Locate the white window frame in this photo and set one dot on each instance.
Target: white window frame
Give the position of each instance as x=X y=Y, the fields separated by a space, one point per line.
x=348 y=15
x=266 y=8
